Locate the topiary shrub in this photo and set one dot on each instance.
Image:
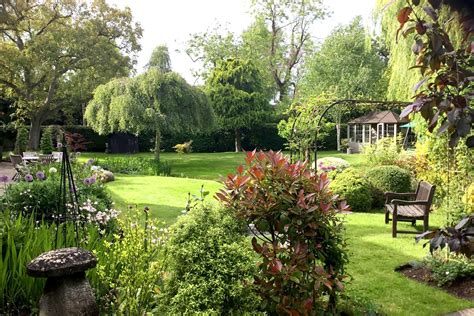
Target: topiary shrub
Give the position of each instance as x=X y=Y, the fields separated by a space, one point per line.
x=388 y=178
x=354 y=188
x=209 y=265
x=299 y=238
x=46 y=143
x=21 y=143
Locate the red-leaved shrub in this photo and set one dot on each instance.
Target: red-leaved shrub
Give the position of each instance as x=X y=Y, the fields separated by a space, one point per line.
x=298 y=234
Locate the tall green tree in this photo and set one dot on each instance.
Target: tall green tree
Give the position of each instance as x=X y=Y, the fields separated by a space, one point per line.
x=45 y=44
x=287 y=38
x=160 y=59
x=155 y=101
x=349 y=65
x=237 y=95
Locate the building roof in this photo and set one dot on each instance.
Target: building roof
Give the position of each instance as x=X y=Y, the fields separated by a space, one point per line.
x=387 y=117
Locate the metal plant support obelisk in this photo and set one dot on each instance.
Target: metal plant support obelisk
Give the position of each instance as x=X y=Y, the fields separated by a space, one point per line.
x=68 y=204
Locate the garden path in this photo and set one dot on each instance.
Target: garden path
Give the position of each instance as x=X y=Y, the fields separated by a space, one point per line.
x=465 y=312
x=6 y=169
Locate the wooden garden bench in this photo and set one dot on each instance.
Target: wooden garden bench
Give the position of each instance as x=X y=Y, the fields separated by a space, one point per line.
x=416 y=208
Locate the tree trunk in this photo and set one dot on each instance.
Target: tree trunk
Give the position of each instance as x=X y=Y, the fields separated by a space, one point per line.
x=238 y=141
x=34 y=136
x=338 y=136
x=157 y=144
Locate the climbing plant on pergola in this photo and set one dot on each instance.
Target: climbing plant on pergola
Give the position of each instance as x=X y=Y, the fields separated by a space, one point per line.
x=319 y=114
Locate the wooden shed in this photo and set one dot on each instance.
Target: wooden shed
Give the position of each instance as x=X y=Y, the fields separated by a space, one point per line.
x=371 y=127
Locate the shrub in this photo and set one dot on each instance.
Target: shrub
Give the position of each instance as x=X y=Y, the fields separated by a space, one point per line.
x=299 y=239
x=388 y=178
x=129 y=273
x=385 y=151
x=446 y=269
x=135 y=165
x=46 y=143
x=210 y=265
x=21 y=143
x=332 y=165
x=354 y=188
x=184 y=148
x=39 y=188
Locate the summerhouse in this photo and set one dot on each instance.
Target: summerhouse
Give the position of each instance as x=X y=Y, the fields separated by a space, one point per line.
x=371 y=127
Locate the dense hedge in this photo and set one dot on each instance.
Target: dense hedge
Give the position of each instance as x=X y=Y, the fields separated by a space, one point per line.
x=355 y=188
x=388 y=178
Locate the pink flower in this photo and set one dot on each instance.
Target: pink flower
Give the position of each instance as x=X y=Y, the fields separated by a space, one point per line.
x=29 y=178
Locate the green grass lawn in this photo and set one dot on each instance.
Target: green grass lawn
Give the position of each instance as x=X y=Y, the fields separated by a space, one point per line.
x=211 y=166
x=373 y=252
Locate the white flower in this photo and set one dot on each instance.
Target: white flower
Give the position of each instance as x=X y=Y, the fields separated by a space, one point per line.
x=53 y=170
x=95 y=168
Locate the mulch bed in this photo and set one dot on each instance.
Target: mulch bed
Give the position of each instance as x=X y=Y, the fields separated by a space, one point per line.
x=463 y=288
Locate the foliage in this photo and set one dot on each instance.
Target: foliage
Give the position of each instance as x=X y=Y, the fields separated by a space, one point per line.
x=135 y=165
x=129 y=272
x=184 y=148
x=385 y=151
x=47 y=45
x=236 y=93
x=459 y=239
x=354 y=188
x=75 y=142
x=450 y=170
x=298 y=233
x=21 y=143
x=22 y=239
x=390 y=179
x=46 y=143
x=447 y=269
x=281 y=38
x=333 y=163
x=154 y=101
x=331 y=69
x=40 y=195
x=160 y=59
x=300 y=129
x=446 y=70
x=210 y=265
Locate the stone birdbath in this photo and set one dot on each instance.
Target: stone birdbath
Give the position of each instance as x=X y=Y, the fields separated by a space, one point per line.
x=67 y=291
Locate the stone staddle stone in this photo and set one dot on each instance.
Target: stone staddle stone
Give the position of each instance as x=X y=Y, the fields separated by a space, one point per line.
x=67 y=291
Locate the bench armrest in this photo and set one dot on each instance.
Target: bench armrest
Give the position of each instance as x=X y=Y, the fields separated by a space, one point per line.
x=403 y=202
x=390 y=195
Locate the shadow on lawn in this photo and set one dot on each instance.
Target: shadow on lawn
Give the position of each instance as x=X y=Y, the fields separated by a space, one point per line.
x=372 y=268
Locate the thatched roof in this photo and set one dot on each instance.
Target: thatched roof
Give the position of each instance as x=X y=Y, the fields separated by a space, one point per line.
x=387 y=117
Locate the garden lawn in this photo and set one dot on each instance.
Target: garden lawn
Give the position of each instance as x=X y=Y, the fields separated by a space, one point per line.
x=212 y=166
x=373 y=253
x=165 y=196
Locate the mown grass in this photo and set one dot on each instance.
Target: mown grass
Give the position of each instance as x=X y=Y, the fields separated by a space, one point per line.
x=373 y=253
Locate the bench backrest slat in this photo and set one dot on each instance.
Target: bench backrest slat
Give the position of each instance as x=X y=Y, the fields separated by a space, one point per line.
x=425 y=192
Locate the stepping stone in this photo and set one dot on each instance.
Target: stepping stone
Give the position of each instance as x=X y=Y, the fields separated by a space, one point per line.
x=67 y=291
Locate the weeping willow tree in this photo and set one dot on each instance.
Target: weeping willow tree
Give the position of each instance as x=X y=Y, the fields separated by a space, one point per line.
x=154 y=101
x=402 y=79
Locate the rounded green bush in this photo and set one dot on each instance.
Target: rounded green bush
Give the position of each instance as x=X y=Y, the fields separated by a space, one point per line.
x=388 y=178
x=354 y=188
x=210 y=265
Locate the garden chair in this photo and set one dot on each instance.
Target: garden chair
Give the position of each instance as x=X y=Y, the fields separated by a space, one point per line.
x=46 y=159
x=58 y=156
x=17 y=162
x=402 y=210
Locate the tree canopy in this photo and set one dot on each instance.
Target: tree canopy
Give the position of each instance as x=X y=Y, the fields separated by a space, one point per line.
x=153 y=101
x=48 y=44
x=237 y=95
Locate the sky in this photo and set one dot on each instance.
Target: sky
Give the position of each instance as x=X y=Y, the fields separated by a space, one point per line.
x=171 y=22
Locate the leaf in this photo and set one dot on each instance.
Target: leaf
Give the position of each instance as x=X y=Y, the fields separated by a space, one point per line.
x=240 y=169
x=419 y=84
x=431 y=13
x=404 y=15
x=470 y=142
x=420 y=28
x=409 y=30
x=427 y=234
x=463 y=222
